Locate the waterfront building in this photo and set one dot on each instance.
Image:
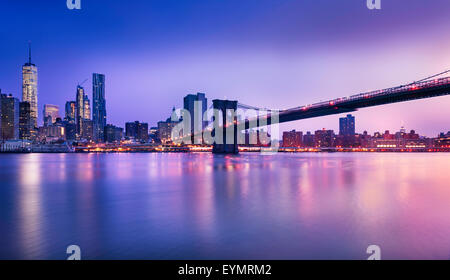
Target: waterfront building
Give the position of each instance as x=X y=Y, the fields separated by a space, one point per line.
x=308 y=139
x=25 y=124
x=30 y=87
x=80 y=109
x=112 y=134
x=443 y=140
x=292 y=138
x=9 y=117
x=51 y=111
x=137 y=131
x=99 y=106
x=153 y=134
x=70 y=111
x=88 y=130
x=70 y=130
x=196 y=104
x=87 y=108
x=324 y=138
x=347 y=125
x=165 y=130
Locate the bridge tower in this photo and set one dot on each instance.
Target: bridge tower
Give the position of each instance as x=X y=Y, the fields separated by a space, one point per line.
x=226 y=148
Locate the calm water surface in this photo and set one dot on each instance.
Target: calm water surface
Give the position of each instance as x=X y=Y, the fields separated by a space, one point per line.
x=200 y=206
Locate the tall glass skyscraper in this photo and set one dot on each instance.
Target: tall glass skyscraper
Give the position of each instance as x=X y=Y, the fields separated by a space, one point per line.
x=71 y=107
x=9 y=117
x=80 y=109
x=190 y=102
x=99 y=106
x=29 y=87
x=347 y=126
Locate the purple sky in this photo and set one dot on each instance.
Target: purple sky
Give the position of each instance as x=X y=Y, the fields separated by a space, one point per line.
x=276 y=54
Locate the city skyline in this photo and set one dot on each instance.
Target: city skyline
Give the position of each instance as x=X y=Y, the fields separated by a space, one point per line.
x=254 y=70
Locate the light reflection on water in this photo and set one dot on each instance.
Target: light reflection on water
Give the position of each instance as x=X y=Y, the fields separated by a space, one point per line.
x=200 y=206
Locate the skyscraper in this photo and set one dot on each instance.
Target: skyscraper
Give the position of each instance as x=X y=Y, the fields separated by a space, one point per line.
x=9 y=121
x=80 y=109
x=29 y=87
x=71 y=111
x=292 y=138
x=98 y=106
x=51 y=111
x=87 y=108
x=137 y=131
x=347 y=125
x=25 y=125
x=190 y=101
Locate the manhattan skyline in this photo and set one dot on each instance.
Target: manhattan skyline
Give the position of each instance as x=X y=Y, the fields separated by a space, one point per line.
x=151 y=63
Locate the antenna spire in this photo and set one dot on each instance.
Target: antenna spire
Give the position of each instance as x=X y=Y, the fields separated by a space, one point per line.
x=29 y=52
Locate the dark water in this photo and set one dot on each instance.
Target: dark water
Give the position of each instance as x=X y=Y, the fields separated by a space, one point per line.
x=200 y=206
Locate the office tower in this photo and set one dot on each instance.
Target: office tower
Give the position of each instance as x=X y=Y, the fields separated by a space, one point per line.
x=87 y=108
x=190 y=101
x=79 y=113
x=25 y=125
x=324 y=138
x=292 y=138
x=88 y=130
x=131 y=129
x=71 y=131
x=347 y=126
x=98 y=106
x=113 y=134
x=70 y=111
x=9 y=121
x=153 y=134
x=142 y=132
x=137 y=131
x=165 y=130
x=29 y=87
x=51 y=111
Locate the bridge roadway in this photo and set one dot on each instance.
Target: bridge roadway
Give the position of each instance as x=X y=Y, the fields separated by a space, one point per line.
x=414 y=91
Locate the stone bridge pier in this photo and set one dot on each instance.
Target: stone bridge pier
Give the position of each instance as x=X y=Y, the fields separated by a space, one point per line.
x=226 y=148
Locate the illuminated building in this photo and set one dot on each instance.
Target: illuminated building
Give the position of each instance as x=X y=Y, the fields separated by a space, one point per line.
x=9 y=121
x=347 y=136
x=324 y=138
x=153 y=134
x=113 y=134
x=98 y=106
x=308 y=139
x=137 y=131
x=292 y=138
x=25 y=125
x=80 y=109
x=165 y=130
x=83 y=114
x=88 y=130
x=87 y=108
x=51 y=111
x=347 y=126
x=70 y=111
x=29 y=87
x=443 y=140
x=190 y=102
x=71 y=131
